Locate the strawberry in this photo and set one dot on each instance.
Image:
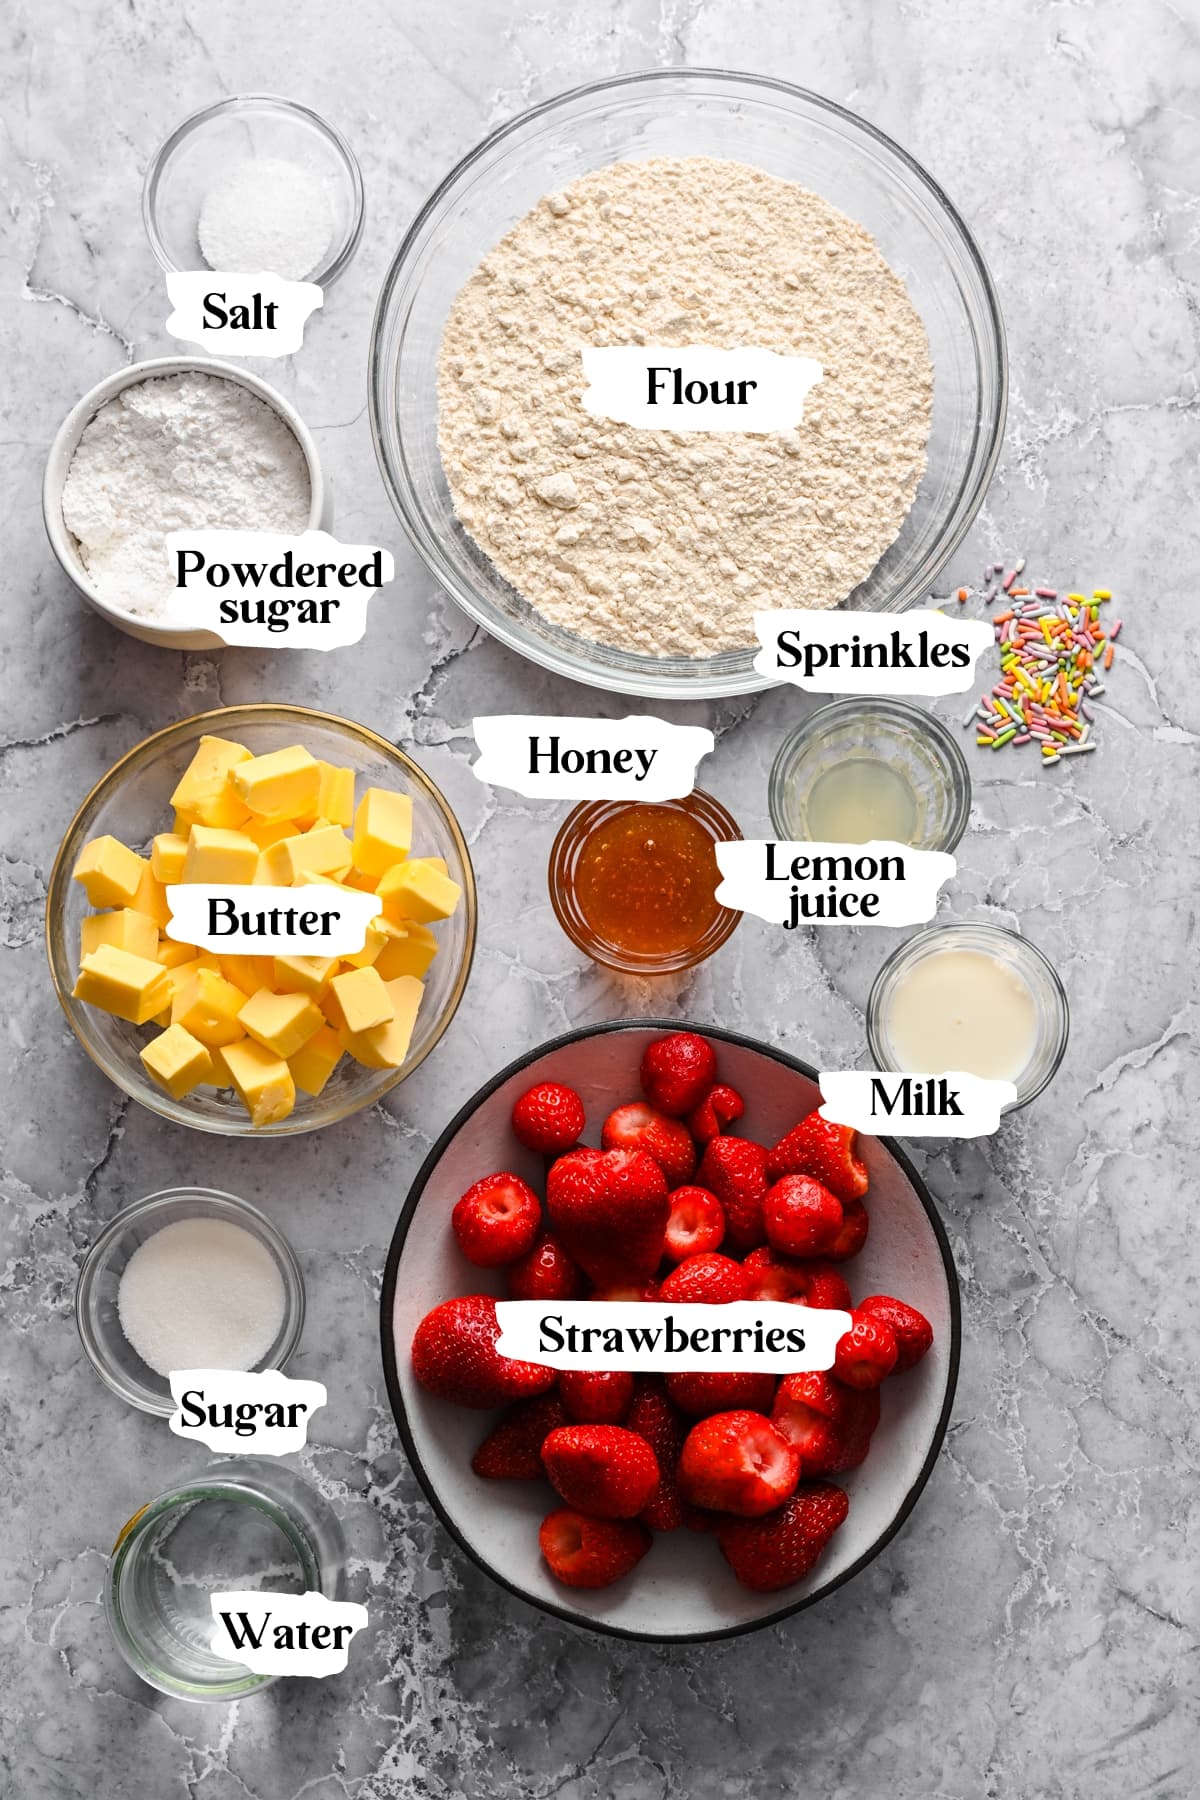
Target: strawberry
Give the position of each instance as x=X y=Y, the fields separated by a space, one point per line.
x=735 y=1170
x=829 y=1424
x=591 y=1553
x=811 y=1283
x=696 y=1224
x=818 y=1147
x=513 y=1451
x=548 y=1118
x=866 y=1354
x=699 y=1518
x=604 y=1470
x=638 y=1127
x=772 y=1553
x=801 y=1217
x=610 y=1209
x=454 y=1356
x=736 y=1462
x=595 y=1396
x=497 y=1220
x=701 y=1392
x=705 y=1280
x=627 y=1292
x=853 y=1235
x=545 y=1273
x=912 y=1331
x=721 y=1107
x=654 y=1418
x=826 y=1289
x=677 y=1072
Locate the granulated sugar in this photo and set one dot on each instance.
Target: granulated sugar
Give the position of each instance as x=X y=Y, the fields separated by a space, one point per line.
x=660 y=542
x=201 y=1294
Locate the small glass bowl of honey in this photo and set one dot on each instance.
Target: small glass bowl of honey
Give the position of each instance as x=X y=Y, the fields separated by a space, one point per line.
x=633 y=884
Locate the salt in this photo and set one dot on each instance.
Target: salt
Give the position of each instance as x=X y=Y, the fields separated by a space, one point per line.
x=267 y=214
x=201 y=1294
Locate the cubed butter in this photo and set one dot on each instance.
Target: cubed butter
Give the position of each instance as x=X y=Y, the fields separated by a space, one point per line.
x=263 y=1081
x=410 y=952
x=379 y=932
x=335 y=796
x=325 y=852
x=166 y=857
x=416 y=890
x=131 y=987
x=357 y=1000
x=127 y=929
x=109 y=872
x=208 y=1006
x=220 y=857
x=386 y=1046
x=207 y=772
x=151 y=899
x=282 y=781
x=281 y=1022
x=314 y=1063
x=303 y=974
x=382 y=830
x=177 y=1061
x=249 y=973
x=172 y=955
x=266 y=832
x=224 y=811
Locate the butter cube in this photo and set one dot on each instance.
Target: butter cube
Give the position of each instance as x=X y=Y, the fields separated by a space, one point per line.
x=108 y=872
x=221 y=857
x=263 y=1081
x=266 y=832
x=249 y=973
x=224 y=811
x=282 y=781
x=166 y=857
x=281 y=1022
x=416 y=890
x=335 y=797
x=131 y=987
x=127 y=929
x=208 y=1006
x=206 y=774
x=379 y=933
x=314 y=1063
x=386 y=1046
x=151 y=899
x=177 y=1061
x=172 y=955
x=303 y=974
x=382 y=830
x=357 y=1000
x=324 y=852
x=409 y=953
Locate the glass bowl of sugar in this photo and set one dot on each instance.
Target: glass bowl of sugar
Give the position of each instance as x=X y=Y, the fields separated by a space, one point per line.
x=188 y=1278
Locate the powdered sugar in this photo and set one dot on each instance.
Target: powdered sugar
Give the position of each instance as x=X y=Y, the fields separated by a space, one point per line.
x=177 y=453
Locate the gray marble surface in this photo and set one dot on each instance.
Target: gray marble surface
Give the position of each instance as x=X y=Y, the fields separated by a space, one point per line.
x=1033 y=1630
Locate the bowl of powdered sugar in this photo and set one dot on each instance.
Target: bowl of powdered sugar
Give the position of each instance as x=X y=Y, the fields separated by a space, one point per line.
x=679 y=208
x=174 y=444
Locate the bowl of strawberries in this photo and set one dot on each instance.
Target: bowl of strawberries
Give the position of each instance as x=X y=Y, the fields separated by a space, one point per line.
x=639 y=1162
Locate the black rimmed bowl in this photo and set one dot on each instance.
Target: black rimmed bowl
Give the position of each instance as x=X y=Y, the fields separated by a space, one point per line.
x=682 y=1591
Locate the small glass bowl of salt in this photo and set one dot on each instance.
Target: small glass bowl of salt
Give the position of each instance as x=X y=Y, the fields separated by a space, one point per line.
x=187 y=1279
x=255 y=183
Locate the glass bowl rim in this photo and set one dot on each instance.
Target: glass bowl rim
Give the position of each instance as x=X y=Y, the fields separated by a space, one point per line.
x=155 y=1100
x=327 y=273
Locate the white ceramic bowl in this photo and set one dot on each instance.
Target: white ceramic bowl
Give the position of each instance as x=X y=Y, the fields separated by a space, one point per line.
x=62 y=542
x=683 y=1590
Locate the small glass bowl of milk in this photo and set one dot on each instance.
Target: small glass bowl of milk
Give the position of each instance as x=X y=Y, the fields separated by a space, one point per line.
x=977 y=998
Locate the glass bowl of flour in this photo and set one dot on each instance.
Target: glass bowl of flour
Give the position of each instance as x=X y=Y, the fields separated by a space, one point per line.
x=678 y=207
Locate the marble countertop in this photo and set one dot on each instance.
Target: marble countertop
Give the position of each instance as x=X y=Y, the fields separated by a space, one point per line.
x=1028 y=1632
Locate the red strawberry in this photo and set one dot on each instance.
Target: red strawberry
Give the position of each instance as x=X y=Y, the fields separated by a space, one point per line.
x=912 y=1331
x=701 y=1392
x=545 y=1273
x=513 y=1451
x=638 y=1127
x=596 y=1396
x=719 y=1109
x=817 y=1146
x=603 y=1470
x=698 y=1518
x=704 y=1281
x=801 y=1217
x=737 y=1462
x=454 y=1355
x=497 y=1220
x=866 y=1354
x=610 y=1209
x=548 y=1118
x=829 y=1424
x=853 y=1235
x=628 y=1293
x=772 y=1553
x=653 y=1417
x=826 y=1289
x=591 y=1553
x=735 y=1170
x=811 y=1283
x=677 y=1072
x=696 y=1224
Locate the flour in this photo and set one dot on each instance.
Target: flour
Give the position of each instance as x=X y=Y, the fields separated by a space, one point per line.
x=267 y=214
x=181 y=452
x=661 y=542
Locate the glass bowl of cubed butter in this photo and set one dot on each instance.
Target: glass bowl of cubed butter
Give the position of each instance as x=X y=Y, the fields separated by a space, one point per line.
x=252 y=797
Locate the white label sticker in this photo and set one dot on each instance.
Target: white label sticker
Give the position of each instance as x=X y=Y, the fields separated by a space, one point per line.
x=285 y=1634
x=740 y=1335
x=272 y=590
x=922 y=652
x=236 y=314
x=795 y=884
x=314 y=920
x=951 y=1105
x=238 y=1410
x=696 y=388
x=637 y=758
